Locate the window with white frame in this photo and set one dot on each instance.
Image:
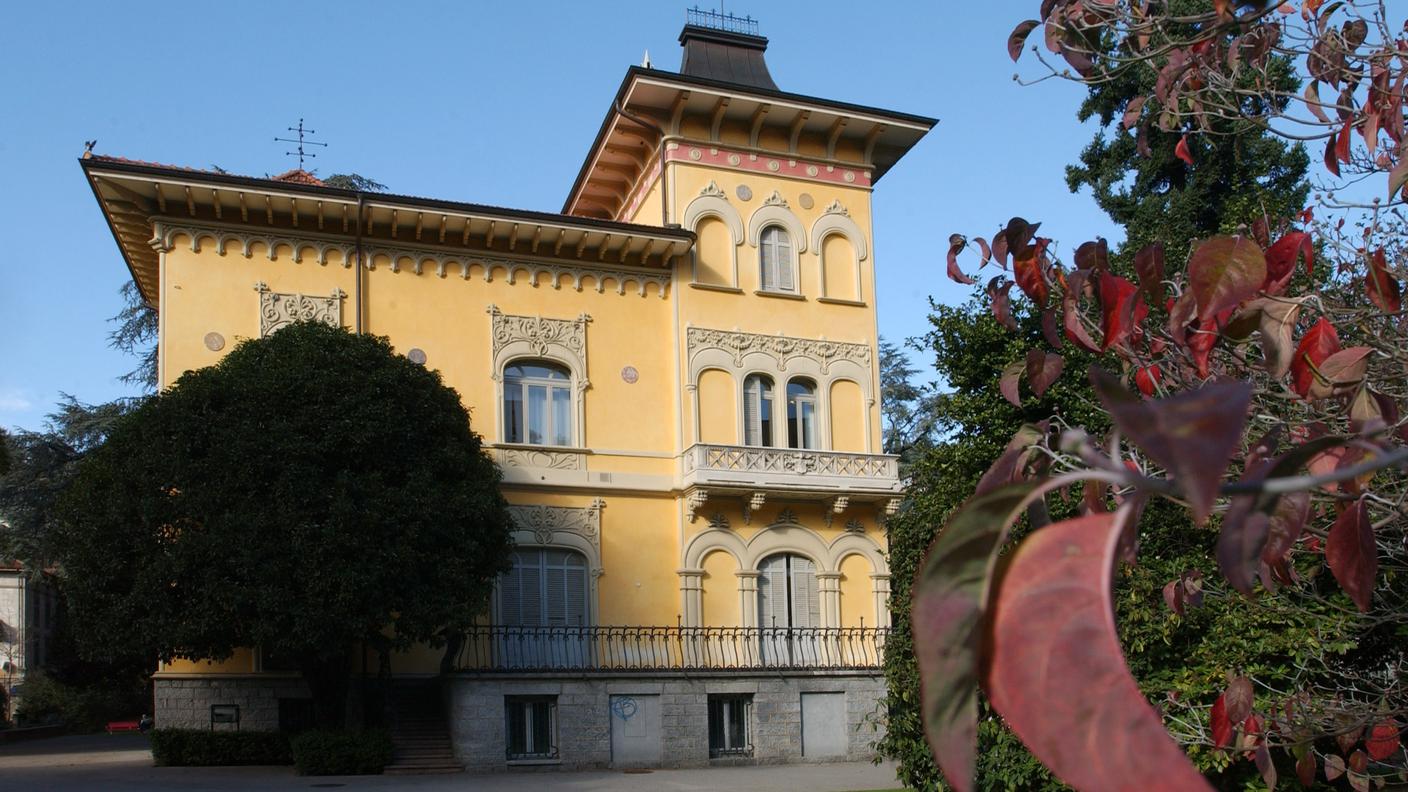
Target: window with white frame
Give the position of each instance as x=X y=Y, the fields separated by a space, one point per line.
x=729 y=734
x=789 y=610
x=801 y=414
x=537 y=404
x=775 y=258
x=757 y=410
x=544 y=588
x=530 y=724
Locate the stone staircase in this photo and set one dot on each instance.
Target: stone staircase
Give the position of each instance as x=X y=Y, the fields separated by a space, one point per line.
x=419 y=733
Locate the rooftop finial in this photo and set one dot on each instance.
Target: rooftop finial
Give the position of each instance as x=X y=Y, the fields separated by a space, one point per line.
x=718 y=20
x=300 y=153
x=645 y=62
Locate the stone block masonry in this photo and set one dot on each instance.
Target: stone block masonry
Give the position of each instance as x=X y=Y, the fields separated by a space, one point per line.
x=584 y=720
x=184 y=703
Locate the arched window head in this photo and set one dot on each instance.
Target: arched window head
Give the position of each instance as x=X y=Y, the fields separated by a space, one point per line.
x=537 y=403
x=757 y=410
x=775 y=258
x=801 y=414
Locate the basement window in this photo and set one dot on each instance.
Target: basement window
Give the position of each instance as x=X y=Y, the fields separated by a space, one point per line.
x=531 y=724
x=729 y=733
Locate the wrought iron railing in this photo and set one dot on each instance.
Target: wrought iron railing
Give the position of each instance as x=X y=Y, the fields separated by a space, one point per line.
x=672 y=648
x=718 y=20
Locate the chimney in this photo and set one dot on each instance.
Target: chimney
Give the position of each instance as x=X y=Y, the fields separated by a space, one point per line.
x=725 y=48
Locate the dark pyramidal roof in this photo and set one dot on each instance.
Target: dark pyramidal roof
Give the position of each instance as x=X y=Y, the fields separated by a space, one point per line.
x=725 y=56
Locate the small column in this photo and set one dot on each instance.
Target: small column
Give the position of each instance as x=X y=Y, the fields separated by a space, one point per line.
x=880 y=586
x=829 y=586
x=748 y=597
x=691 y=596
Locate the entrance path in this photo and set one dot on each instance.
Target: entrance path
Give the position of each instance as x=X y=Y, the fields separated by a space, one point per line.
x=123 y=763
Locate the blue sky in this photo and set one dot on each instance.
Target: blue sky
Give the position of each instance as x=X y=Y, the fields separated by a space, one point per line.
x=488 y=102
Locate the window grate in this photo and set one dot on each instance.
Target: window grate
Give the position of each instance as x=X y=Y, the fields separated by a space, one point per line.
x=531 y=727
x=730 y=732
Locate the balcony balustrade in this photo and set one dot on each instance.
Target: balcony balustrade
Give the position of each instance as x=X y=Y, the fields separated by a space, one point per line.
x=653 y=649
x=791 y=469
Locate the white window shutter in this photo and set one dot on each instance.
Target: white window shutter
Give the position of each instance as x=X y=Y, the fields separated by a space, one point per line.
x=783 y=256
x=752 y=432
x=806 y=600
x=772 y=593
x=575 y=584
x=510 y=594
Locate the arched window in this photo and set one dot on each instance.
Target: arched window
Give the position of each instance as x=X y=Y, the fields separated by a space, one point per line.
x=757 y=411
x=537 y=404
x=775 y=256
x=801 y=414
x=544 y=588
x=789 y=610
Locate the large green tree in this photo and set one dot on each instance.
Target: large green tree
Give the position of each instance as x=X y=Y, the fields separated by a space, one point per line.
x=311 y=493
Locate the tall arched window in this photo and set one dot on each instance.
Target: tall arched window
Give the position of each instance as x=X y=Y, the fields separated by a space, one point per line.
x=801 y=414
x=544 y=588
x=757 y=411
x=789 y=609
x=537 y=404
x=775 y=254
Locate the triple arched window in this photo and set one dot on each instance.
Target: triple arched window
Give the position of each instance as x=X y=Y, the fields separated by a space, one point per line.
x=537 y=403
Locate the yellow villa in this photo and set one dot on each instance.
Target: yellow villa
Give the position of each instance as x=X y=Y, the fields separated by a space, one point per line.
x=678 y=374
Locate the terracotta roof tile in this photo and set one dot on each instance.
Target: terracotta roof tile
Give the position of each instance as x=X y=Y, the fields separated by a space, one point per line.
x=299 y=176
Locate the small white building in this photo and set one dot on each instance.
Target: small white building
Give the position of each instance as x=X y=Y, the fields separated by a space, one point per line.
x=28 y=609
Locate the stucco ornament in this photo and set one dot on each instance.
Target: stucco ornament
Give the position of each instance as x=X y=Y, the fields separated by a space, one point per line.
x=558 y=339
x=780 y=348
x=549 y=524
x=277 y=309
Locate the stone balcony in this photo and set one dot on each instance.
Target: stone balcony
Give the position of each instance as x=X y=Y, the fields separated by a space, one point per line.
x=754 y=472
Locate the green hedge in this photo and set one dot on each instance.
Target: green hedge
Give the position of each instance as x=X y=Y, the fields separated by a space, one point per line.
x=201 y=748
x=321 y=752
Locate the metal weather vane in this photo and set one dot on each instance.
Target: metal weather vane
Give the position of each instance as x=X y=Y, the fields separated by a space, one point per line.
x=301 y=141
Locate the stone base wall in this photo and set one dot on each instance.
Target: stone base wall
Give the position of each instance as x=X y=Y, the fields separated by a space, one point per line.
x=476 y=714
x=185 y=703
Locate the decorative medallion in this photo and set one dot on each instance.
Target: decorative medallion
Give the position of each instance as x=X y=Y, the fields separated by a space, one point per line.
x=773 y=165
x=719 y=521
x=416 y=356
x=855 y=526
x=214 y=342
x=745 y=193
x=806 y=200
x=629 y=375
x=277 y=309
x=734 y=160
x=811 y=170
x=695 y=153
x=849 y=176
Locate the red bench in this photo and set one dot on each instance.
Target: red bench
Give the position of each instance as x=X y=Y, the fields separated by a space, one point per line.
x=123 y=726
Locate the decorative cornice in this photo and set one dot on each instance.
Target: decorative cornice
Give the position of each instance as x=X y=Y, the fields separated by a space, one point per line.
x=781 y=348
x=415 y=257
x=546 y=521
x=277 y=309
x=544 y=337
x=789 y=165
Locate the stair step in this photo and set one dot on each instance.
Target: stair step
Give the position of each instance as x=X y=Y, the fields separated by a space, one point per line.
x=427 y=770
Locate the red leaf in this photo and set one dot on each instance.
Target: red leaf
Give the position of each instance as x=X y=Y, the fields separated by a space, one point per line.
x=1238 y=699
x=1287 y=522
x=1343 y=140
x=1075 y=329
x=1018 y=37
x=1383 y=288
x=956 y=244
x=1305 y=768
x=1093 y=255
x=1149 y=267
x=1331 y=163
x=1319 y=342
x=1382 y=741
x=1057 y=676
x=1173 y=596
x=1281 y=260
x=1043 y=368
x=1018 y=233
x=1223 y=272
x=985 y=249
x=1147 y=379
x=1262 y=758
x=1132 y=111
x=945 y=620
x=1334 y=767
x=1010 y=468
x=1192 y=435
x=1049 y=329
x=1397 y=177
x=1010 y=382
x=1181 y=150
x=1277 y=323
x=1222 y=727
x=1001 y=302
x=1340 y=372
x=1027 y=270
x=1116 y=309
x=1352 y=555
